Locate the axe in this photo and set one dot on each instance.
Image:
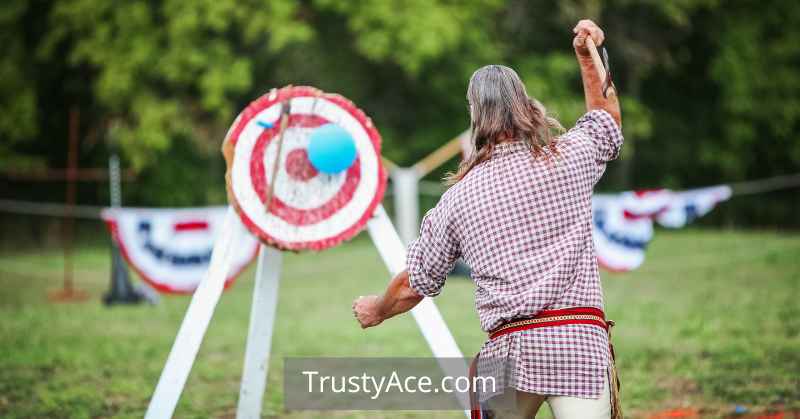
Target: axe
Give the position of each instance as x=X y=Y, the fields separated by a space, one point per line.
x=602 y=66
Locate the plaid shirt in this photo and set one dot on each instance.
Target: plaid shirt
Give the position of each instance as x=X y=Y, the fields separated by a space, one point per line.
x=524 y=226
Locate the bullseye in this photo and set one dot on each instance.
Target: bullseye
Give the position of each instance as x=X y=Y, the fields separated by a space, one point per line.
x=298 y=167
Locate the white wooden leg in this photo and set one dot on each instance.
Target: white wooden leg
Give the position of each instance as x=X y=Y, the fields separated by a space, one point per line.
x=198 y=315
x=259 y=338
x=426 y=314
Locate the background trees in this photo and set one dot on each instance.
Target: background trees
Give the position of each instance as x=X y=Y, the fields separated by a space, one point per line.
x=711 y=90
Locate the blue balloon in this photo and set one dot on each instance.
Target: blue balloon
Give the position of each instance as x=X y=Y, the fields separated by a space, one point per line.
x=331 y=149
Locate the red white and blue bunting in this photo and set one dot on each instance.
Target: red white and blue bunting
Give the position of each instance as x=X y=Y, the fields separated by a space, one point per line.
x=623 y=223
x=171 y=248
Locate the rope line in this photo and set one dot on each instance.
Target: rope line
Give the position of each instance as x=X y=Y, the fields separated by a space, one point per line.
x=50 y=209
x=428 y=188
x=766 y=185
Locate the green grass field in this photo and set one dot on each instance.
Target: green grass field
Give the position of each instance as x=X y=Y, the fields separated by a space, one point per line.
x=710 y=321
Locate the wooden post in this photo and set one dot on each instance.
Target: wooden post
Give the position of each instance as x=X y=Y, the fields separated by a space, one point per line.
x=68 y=291
x=69 y=220
x=259 y=337
x=406 y=202
x=195 y=323
x=441 y=155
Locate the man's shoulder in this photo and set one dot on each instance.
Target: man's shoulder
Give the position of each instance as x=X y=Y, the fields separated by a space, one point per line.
x=475 y=179
x=465 y=190
x=576 y=141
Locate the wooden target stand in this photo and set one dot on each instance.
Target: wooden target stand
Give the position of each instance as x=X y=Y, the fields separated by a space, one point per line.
x=241 y=220
x=406 y=181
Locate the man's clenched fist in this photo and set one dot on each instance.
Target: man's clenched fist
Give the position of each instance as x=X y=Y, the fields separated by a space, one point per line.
x=583 y=29
x=366 y=310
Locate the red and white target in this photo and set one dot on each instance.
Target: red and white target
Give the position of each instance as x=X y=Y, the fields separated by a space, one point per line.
x=307 y=209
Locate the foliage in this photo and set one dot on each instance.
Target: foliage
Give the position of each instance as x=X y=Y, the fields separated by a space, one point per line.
x=17 y=91
x=709 y=88
x=756 y=68
x=169 y=69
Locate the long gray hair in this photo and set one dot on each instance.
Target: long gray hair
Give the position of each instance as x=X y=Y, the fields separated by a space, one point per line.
x=500 y=105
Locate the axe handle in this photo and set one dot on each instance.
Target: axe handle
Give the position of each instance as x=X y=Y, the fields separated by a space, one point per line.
x=598 y=62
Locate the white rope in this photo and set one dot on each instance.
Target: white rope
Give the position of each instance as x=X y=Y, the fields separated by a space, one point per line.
x=50 y=209
x=766 y=185
x=426 y=187
x=431 y=188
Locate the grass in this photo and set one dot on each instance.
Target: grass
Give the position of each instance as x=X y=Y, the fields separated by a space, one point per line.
x=710 y=321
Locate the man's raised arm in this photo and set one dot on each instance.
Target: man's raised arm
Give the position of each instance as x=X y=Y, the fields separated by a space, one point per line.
x=592 y=82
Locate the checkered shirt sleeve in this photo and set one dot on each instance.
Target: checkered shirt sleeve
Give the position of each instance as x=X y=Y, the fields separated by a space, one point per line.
x=604 y=133
x=433 y=255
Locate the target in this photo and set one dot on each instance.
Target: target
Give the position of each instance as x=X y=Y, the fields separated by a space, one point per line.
x=279 y=194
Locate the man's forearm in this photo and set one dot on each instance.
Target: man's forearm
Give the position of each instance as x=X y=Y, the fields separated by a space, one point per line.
x=593 y=89
x=399 y=297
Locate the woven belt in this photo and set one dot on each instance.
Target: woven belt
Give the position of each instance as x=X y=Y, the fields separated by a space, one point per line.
x=548 y=318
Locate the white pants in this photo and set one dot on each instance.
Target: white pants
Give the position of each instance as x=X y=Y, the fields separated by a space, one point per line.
x=565 y=407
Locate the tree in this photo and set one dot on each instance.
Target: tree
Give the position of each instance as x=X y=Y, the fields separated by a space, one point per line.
x=708 y=89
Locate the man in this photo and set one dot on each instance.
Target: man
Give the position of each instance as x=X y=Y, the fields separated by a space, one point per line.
x=519 y=213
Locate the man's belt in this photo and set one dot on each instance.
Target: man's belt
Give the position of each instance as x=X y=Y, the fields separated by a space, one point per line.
x=548 y=318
